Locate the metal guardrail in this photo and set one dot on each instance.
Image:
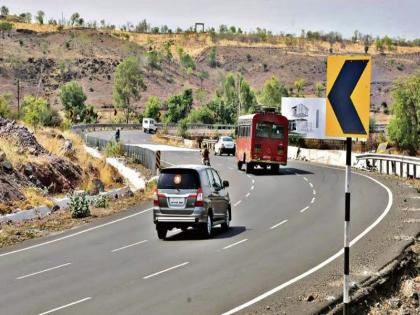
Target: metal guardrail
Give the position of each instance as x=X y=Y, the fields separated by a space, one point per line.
x=401 y=165
x=86 y=127
x=144 y=156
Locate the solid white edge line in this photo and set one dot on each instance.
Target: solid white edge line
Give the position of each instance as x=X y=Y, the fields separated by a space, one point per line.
x=67 y=305
x=127 y=246
x=42 y=271
x=237 y=203
x=313 y=200
x=278 y=224
x=325 y=262
x=247 y=195
x=168 y=269
x=234 y=244
x=75 y=234
x=304 y=209
x=252 y=187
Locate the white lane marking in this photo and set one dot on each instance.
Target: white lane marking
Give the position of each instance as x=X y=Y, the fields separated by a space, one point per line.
x=297 y=174
x=237 y=203
x=234 y=244
x=313 y=200
x=252 y=187
x=253 y=181
x=305 y=178
x=278 y=224
x=42 y=271
x=247 y=195
x=64 y=306
x=76 y=234
x=310 y=184
x=249 y=176
x=414 y=197
x=166 y=162
x=127 y=246
x=304 y=209
x=325 y=262
x=168 y=269
x=314 y=192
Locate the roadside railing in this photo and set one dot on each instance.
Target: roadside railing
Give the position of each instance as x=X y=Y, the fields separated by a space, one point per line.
x=403 y=166
x=146 y=157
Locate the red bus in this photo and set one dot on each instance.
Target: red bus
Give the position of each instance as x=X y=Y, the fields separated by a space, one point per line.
x=262 y=139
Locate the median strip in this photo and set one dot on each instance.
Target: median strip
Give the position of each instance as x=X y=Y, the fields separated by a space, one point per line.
x=65 y=306
x=234 y=244
x=127 y=246
x=168 y=269
x=278 y=224
x=42 y=271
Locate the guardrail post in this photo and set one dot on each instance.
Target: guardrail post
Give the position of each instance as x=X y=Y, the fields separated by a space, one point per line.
x=414 y=171
x=157 y=162
x=380 y=166
x=387 y=167
x=407 y=170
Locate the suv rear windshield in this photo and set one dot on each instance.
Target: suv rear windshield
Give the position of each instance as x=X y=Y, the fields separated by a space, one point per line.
x=179 y=179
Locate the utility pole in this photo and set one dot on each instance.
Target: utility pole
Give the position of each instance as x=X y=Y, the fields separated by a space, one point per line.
x=18 y=97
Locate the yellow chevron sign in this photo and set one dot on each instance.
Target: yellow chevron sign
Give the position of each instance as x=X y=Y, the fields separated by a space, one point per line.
x=348 y=96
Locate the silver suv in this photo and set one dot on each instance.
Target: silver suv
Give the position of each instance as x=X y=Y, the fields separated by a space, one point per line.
x=191 y=196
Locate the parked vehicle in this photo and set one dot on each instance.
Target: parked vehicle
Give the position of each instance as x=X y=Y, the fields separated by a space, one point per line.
x=191 y=196
x=149 y=125
x=262 y=140
x=224 y=145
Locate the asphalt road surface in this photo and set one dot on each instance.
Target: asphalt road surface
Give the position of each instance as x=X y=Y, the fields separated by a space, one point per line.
x=283 y=225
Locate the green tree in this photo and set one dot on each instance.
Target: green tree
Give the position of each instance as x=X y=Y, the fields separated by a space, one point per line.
x=5 y=27
x=212 y=59
x=40 y=17
x=128 y=84
x=379 y=45
x=153 y=60
x=167 y=50
x=299 y=85
x=387 y=42
x=179 y=106
x=153 y=106
x=73 y=100
x=5 y=99
x=74 y=19
x=319 y=88
x=201 y=115
x=26 y=17
x=36 y=111
x=404 y=128
x=4 y=11
x=203 y=75
x=272 y=92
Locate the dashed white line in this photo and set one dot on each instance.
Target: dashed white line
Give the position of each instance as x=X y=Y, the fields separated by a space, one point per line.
x=168 y=269
x=313 y=200
x=249 y=176
x=42 y=271
x=234 y=244
x=237 y=203
x=247 y=195
x=127 y=246
x=314 y=192
x=310 y=184
x=297 y=174
x=304 y=209
x=253 y=181
x=305 y=178
x=64 y=306
x=252 y=187
x=278 y=224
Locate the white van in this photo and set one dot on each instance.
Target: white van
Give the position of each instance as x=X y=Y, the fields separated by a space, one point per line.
x=149 y=125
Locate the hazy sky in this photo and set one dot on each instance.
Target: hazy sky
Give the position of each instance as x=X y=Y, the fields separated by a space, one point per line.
x=376 y=17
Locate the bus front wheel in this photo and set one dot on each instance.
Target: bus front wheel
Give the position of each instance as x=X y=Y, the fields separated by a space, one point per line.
x=249 y=168
x=275 y=168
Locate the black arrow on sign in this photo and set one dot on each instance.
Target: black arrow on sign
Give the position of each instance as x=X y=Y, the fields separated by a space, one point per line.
x=340 y=93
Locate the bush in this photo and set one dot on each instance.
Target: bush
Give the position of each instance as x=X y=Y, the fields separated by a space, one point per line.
x=113 y=148
x=5 y=105
x=182 y=128
x=102 y=202
x=79 y=206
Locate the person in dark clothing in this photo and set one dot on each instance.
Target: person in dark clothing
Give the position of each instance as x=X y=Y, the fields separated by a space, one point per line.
x=117 y=135
x=205 y=153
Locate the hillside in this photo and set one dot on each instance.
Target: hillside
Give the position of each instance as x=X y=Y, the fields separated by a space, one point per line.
x=43 y=59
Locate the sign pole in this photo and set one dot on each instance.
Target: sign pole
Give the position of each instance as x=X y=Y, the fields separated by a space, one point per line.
x=346 y=287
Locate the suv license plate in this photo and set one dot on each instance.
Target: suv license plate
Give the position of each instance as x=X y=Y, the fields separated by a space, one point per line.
x=176 y=202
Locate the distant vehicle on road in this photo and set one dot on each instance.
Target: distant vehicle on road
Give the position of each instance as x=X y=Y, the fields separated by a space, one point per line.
x=262 y=140
x=191 y=196
x=224 y=145
x=149 y=125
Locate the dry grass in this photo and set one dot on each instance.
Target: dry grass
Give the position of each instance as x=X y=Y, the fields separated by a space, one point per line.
x=15 y=157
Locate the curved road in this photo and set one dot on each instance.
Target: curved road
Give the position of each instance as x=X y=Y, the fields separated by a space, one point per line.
x=283 y=225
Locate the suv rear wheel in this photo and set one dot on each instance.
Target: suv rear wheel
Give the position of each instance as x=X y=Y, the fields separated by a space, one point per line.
x=207 y=228
x=161 y=231
x=225 y=226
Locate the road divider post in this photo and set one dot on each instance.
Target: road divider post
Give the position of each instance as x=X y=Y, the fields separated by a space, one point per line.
x=157 y=163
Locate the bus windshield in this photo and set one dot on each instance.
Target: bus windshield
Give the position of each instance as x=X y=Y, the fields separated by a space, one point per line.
x=269 y=130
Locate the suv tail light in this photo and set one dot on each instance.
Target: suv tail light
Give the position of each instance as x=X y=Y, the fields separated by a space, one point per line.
x=199 y=202
x=156 y=198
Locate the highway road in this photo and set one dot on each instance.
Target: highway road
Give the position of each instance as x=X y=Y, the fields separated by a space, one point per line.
x=283 y=225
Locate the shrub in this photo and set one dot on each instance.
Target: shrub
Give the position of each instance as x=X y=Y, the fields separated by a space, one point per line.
x=182 y=128
x=113 y=148
x=79 y=206
x=5 y=105
x=102 y=202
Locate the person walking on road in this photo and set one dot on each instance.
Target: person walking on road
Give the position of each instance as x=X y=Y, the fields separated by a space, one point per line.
x=205 y=153
x=117 y=135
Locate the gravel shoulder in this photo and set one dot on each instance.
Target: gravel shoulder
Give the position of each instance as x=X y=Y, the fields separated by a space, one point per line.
x=372 y=253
